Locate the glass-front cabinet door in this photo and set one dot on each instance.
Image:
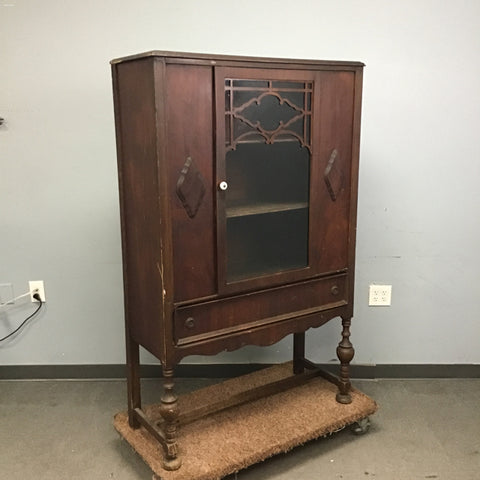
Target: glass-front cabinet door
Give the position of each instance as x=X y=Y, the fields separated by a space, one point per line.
x=265 y=167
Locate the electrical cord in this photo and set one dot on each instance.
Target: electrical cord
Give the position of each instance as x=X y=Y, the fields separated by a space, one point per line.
x=10 y=302
x=36 y=296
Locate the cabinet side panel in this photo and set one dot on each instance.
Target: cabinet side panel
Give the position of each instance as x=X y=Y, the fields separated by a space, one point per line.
x=332 y=174
x=137 y=167
x=190 y=134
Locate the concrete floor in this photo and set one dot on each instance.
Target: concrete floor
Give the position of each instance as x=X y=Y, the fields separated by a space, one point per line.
x=425 y=429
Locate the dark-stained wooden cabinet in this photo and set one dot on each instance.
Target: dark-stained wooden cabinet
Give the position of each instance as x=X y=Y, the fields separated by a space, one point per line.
x=238 y=189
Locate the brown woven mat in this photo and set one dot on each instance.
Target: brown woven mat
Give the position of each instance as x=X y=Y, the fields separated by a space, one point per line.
x=228 y=441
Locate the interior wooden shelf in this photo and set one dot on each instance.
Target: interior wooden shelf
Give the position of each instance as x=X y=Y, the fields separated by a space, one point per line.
x=262 y=208
x=251 y=141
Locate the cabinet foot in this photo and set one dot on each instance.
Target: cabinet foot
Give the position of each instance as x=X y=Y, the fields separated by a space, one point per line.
x=133 y=422
x=344 y=398
x=172 y=464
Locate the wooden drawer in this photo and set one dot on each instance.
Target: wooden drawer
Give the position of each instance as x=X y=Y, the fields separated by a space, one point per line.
x=228 y=315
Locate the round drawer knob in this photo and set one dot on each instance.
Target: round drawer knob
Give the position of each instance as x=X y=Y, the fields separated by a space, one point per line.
x=190 y=322
x=335 y=290
x=223 y=186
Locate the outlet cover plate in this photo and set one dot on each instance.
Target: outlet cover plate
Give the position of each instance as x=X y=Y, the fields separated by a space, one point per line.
x=380 y=295
x=37 y=285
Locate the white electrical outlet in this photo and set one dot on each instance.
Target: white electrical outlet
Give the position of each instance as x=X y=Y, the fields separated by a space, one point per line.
x=36 y=286
x=380 y=295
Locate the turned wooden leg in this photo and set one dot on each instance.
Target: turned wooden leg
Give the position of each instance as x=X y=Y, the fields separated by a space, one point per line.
x=345 y=354
x=133 y=380
x=169 y=412
x=298 y=352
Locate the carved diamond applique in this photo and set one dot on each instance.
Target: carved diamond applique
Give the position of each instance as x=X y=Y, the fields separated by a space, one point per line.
x=190 y=188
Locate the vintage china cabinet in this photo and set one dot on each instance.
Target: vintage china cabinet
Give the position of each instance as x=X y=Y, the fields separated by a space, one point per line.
x=238 y=193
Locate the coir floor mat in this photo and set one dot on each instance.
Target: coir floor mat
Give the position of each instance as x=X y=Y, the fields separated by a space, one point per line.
x=228 y=441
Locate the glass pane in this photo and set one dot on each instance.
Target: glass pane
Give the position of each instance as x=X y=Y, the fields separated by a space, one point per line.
x=258 y=173
x=250 y=83
x=264 y=244
x=288 y=85
x=294 y=98
x=241 y=97
x=267 y=209
x=269 y=112
x=268 y=174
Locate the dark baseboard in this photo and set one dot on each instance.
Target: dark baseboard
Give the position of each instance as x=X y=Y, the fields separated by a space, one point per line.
x=79 y=372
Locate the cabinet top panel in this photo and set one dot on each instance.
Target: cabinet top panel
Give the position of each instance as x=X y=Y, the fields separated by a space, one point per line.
x=224 y=60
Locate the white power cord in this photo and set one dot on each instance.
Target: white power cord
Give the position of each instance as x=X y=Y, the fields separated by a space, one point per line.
x=13 y=300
